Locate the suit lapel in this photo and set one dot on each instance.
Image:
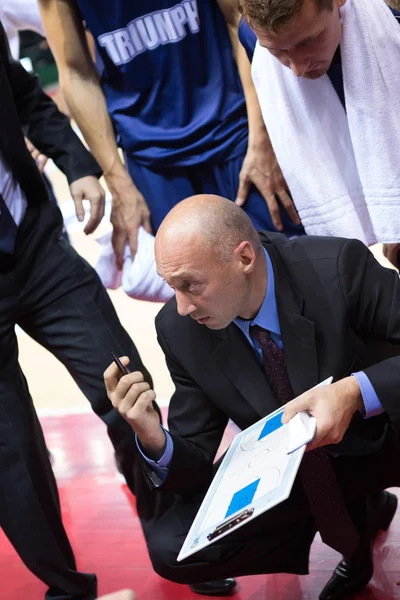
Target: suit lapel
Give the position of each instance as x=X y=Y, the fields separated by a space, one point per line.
x=298 y=335
x=235 y=357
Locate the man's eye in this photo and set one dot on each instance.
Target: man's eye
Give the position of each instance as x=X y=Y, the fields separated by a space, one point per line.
x=192 y=287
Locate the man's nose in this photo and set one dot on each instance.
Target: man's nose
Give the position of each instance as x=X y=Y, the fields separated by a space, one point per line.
x=184 y=305
x=299 y=67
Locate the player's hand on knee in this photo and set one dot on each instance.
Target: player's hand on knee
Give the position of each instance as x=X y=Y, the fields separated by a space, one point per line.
x=133 y=398
x=260 y=168
x=129 y=212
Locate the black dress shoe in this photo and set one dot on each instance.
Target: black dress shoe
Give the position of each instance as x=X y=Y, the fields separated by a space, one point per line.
x=350 y=577
x=218 y=587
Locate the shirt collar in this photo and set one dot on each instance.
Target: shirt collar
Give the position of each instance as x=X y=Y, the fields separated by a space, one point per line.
x=267 y=316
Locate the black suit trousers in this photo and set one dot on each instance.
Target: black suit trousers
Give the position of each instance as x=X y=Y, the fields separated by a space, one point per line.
x=57 y=298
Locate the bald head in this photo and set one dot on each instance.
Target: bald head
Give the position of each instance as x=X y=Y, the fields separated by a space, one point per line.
x=208 y=251
x=209 y=222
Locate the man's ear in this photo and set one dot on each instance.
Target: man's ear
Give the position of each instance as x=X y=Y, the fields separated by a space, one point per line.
x=247 y=255
x=341 y=3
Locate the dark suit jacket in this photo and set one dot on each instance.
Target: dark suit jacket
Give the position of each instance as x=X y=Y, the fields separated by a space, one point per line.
x=24 y=108
x=339 y=312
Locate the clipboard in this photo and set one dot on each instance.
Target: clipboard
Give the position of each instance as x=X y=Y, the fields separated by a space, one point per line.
x=256 y=474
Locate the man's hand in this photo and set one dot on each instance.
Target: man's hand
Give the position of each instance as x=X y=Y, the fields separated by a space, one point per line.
x=333 y=406
x=261 y=168
x=133 y=398
x=129 y=212
x=40 y=159
x=88 y=188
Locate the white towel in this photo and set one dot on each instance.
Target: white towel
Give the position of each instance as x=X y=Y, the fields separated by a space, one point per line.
x=343 y=171
x=139 y=277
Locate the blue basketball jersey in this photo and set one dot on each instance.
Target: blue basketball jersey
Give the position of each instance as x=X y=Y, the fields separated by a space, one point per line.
x=172 y=88
x=247 y=38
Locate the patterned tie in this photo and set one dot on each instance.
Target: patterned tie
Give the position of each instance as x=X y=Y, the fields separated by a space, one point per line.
x=8 y=229
x=319 y=481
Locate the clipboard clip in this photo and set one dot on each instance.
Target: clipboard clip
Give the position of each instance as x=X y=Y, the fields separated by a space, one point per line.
x=227 y=525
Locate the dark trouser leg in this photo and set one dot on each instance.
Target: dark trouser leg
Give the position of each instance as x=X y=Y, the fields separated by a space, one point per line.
x=363 y=478
x=360 y=476
x=67 y=310
x=277 y=541
x=29 y=505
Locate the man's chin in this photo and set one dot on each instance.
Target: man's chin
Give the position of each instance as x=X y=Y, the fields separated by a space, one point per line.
x=319 y=70
x=215 y=325
x=211 y=325
x=315 y=74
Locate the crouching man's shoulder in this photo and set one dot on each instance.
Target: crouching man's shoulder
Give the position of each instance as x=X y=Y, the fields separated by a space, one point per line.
x=183 y=335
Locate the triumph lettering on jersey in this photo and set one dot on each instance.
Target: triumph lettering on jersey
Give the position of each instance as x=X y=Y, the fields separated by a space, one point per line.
x=148 y=32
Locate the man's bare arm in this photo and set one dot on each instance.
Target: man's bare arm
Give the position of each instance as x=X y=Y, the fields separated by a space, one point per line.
x=260 y=166
x=80 y=84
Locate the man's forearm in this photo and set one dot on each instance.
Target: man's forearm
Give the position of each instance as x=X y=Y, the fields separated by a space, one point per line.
x=46 y=127
x=153 y=443
x=88 y=107
x=257 y=130
x=79 y=80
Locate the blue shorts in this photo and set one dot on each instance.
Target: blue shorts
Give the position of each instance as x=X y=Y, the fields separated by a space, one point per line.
x=164 y=188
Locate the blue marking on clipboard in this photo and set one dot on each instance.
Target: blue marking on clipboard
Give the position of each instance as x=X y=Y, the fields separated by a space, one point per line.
x=242 y=498
x=271 y=425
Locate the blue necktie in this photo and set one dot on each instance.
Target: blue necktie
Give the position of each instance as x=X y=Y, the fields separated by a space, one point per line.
x=8 y=229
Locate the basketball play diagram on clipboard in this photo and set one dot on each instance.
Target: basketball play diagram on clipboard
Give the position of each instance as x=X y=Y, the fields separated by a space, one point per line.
x=257 y=473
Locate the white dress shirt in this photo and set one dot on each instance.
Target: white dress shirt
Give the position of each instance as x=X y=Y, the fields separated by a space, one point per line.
x=16 y=15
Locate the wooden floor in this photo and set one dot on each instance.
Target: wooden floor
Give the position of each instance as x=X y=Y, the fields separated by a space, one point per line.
x=100 y=516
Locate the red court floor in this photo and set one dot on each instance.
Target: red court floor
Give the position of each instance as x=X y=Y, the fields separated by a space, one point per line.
x=100 y=517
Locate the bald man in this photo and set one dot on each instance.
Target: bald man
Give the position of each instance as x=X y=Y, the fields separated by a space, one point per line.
x=257 y=320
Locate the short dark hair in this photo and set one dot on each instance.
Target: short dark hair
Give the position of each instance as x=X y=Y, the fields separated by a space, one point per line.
x=273 y=15
x=229 y=227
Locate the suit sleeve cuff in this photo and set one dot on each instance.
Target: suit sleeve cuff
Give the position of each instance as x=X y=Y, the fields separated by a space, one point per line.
x=160 y=466
x=372 y=404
